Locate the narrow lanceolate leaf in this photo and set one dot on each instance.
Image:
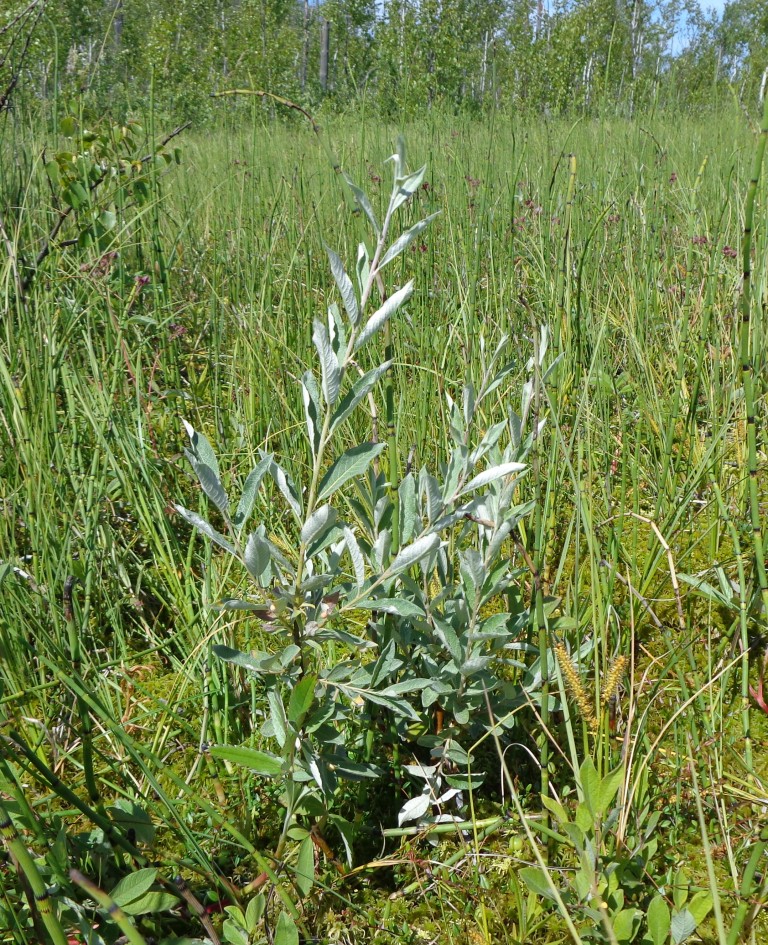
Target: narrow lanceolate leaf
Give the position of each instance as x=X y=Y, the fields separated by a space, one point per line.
x=311 y=397
x=318 y=524
x=392 y=605
x=352 y=463
x=408 y=510
x=257 y=553
x=346 y=289
x=414 y=552
x=202 y=526
x=213 y=488
x=382 y=315
x=250 y=490
x=202 y=449
x=358 y=562
x=262 y=762
x=329 y=365
x=285 y=484
x=489 y=475
x=359 y=390
x=405 y=239
x=365 y=205
x=362 y=267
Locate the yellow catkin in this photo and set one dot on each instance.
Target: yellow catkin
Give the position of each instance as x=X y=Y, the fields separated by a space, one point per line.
x=574 y=685
x=612 y=679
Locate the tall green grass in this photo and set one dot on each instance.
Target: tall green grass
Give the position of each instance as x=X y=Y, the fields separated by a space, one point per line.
x=649 y=480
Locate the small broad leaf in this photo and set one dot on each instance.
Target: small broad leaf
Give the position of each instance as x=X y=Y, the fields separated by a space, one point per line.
x=278 y=718
x=262 y=762
x=537 y=881
x=202 y=449
x=329 y=365
x=151 y=902
x=286 y=932
x=682 y=926
x=589 y=781
x=360 y=389
x=302 y=696
x=700 y=905
x=659 y=920
x=414 y=552
x=305 y=866
x=133 y=886
x=414 y=809
x=625 y=924
x=345 y=287
x=318 y=523
x=382 y=315
x=490 y=475
x=352 y=463
x=405 y=239
x=202 y=526
x=608 y=788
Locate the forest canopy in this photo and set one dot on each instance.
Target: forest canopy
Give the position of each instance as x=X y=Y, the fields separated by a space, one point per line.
x=580 y=56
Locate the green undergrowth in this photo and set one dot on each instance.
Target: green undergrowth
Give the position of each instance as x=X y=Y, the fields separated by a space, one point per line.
x=184 y=287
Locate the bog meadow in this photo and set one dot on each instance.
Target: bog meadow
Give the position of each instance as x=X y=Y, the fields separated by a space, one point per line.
x=383 y=476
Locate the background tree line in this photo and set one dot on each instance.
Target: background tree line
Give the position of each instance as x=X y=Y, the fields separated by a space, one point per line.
x=562 y=55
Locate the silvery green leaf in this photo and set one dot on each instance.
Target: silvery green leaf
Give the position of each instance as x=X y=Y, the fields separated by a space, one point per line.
x=392 y=605
x=414 y=809
x=499 y=378
x=262 y=611
x=515 y=429
x=358 y=562
x=414 y=552
x=362 y=267
x=311 y=397
x=381 y=549
x=202 y=526
x=491 y=438
x=489 y=475
x=469 y=405
x=525 y=402
x=408 y=187
x=405 y=239
x=430 y=488
x=447 y=636
x=258 y=554
x=213 y=488
x=285 y=484
x=336 y=332
x=382 y=315
x=357 y=392
x=552 y=368
x=318 y=523
x=346 y=289
x=278 y=718
x=352 y=463
x=408 y=514
x=457 y=466
x=474 y=665
x=365 y=205
x=329 y=364
x=202 y=449
x=250 y=490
